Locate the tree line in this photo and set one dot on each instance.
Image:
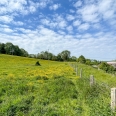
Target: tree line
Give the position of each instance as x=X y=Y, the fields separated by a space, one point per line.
x=65 y=55
x=11 y=49
x=97 y=64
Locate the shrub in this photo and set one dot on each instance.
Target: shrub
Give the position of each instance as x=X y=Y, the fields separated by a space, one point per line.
x=37 y=63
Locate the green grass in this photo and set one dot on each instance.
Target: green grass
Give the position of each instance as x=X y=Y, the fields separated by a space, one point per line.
x=52 y=89
x=99 y=75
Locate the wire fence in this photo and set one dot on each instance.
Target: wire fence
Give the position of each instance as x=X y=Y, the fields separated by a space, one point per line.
x=103 y=87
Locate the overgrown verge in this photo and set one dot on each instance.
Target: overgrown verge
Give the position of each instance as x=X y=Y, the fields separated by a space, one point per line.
x=58 y=96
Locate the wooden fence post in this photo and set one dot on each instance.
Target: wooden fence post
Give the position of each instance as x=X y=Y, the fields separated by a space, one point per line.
x=81 y=73
x=92 y=81
x=113 y=99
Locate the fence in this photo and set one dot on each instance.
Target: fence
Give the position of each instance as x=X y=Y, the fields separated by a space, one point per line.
x=93 y=82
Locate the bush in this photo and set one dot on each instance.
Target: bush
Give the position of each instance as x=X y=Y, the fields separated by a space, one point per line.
x=37 y=63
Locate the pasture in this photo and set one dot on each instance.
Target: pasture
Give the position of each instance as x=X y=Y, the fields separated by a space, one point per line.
x=52 y=89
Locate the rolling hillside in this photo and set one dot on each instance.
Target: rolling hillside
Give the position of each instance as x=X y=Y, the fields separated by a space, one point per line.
x=52 y=89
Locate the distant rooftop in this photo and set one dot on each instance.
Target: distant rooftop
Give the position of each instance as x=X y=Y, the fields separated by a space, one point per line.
x=111 y=62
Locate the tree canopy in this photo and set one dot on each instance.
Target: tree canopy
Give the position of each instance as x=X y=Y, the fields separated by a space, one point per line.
x=11 y=49
x=81 y=59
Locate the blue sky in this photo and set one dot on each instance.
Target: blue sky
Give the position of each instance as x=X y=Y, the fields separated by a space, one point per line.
x=84 y=27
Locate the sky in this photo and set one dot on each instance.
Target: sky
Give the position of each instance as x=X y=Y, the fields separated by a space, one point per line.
x=84 y=27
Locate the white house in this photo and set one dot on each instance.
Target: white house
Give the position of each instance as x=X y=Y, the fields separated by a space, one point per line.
x=112 y=63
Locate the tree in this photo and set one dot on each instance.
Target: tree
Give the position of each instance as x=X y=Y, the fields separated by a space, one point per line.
x=73 y=58
x=9 y=48
x=50 y=55
x=45 y=55
x=24 y=52
x=59 y=58
x=81 y=59
x=17 y=50
x=54 y=58
x=40 y=56
x=88 y=62
x=106 y=67
x=2 y=48
x=65 y=55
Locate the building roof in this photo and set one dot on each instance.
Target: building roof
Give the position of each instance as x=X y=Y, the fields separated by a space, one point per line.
x=111 y=62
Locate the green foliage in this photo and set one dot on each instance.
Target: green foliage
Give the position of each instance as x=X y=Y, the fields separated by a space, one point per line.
x=65 y=55
x=2 y=48
x=11 y=49
x=45 y=55
x=73 y=59
x=88 y=62
x=106 y=67
x=96 y=98
x=37 y=63
x=81 y=59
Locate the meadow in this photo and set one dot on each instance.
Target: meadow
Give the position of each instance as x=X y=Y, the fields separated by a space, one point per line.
x=52 y=89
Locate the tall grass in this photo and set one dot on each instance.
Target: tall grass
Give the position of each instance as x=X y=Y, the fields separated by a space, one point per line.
x=52 y=89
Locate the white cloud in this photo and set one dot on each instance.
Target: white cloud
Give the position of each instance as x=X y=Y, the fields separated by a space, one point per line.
x=89 y=13
x=105 y=5
x=84 y=26
x=90 y=1
x=32 y=9
x=45 y=22
x=59 y=21
x=18 y=23
x=61 y=32
x=4 y=26
x=43 y=3
x=70 y=17
x=62 y=24
x=77 y=4
x=12 y=6
x=6 y=19
x=72 y=11
x=54 y=7
x=95 y=11
x=76 y=23
x=5 y=29
x=8 y=30
x=58 y=17
x=2 y=2
x=70 y=29
x=21 y=6
x=97 y=26
x=53 y=24
x=91 y=47
x=107 y=8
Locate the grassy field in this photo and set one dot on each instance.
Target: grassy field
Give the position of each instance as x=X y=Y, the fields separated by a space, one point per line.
x=52 y=89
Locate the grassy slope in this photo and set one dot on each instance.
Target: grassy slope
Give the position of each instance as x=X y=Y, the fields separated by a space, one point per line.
x=99 y=75
x=51 y=89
